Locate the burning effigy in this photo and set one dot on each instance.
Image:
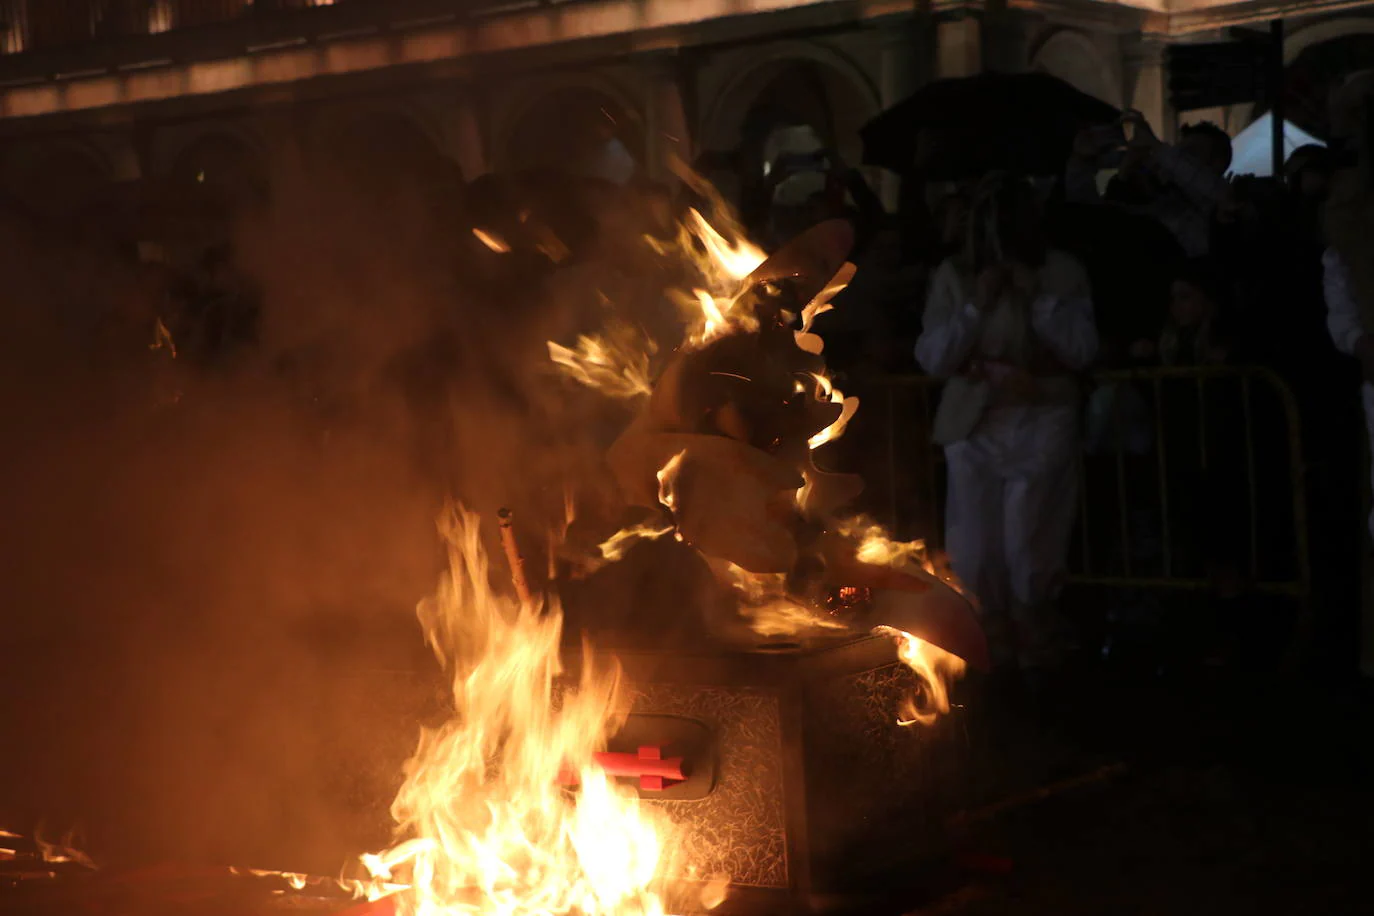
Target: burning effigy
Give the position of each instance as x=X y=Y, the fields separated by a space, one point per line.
x=754 y=720
x=673 y=775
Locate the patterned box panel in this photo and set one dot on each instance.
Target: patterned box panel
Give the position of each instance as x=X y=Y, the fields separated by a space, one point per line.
x=875 y=788
x=740 y=829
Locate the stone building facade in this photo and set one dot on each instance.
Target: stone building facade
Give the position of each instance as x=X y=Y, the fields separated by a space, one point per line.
x=178 y=90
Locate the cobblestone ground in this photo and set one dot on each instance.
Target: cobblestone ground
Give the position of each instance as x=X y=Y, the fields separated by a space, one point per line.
x=1230 y=800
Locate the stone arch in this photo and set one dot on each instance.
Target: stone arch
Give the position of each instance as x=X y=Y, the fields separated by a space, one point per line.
x=1300 y=39
x=835 y=96
x=381 y=149
x=226 y=163
x=1076 y=59
x=571 y=120
x=800 y=92
x=1317 y=60
x=57 y=178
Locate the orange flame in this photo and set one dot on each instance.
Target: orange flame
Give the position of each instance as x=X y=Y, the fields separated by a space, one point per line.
x=617 y=545
x=936 y=668
x=812 y=343
x=483 y=826
x=764 y=602
x=722 y=265
x=726 y=261
x=850 y=406
x=617 y=364
x=64 y=851
x=667 y=481
x=491 y=240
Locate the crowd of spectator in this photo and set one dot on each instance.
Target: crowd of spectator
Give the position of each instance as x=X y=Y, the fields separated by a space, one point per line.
x=1141 y=255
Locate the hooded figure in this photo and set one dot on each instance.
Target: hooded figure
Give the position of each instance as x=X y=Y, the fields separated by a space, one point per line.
x=1348 y=263
x=1008 y=322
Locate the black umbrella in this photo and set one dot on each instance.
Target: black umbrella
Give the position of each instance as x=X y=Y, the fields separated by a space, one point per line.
x=961 y=128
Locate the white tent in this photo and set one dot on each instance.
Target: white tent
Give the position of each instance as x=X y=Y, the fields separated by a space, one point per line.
x=1252 y=148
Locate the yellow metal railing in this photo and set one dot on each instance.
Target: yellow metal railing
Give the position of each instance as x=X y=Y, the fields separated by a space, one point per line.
x=911 y=462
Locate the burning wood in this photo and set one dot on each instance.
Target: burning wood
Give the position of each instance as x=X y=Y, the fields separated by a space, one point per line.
x=514 y=558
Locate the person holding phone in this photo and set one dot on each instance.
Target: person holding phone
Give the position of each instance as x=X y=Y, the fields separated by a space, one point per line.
x=1180 y=185
x=1009 y=321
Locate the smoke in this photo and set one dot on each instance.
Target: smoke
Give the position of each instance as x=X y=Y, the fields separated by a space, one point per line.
x=210 y=571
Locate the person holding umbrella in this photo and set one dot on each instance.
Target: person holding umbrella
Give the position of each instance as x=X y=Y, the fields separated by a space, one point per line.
x=1008 y=322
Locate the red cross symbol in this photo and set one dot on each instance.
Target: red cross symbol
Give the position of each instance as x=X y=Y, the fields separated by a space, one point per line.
x=648 y=765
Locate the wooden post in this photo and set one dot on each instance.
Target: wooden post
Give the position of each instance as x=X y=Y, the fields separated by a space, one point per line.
x=513 y=557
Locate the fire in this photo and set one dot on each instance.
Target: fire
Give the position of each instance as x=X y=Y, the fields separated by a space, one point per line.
x=726 y=261
x=616 y=364
x=482 y=824
x=491 y=240
x=298 y=881
x=806 y=340
x=715 y=305
x=877 y=548
x=936 y=668
x=63 y=851
x=618 y=544
x=850 y=406
x=162 y=339
x=667 y=481
x=764 y=602
x=722 y=266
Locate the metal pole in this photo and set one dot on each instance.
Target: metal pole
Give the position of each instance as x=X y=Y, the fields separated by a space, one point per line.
x=1276 y=88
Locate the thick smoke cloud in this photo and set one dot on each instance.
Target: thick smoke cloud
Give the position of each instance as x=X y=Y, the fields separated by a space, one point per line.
x=209 y=571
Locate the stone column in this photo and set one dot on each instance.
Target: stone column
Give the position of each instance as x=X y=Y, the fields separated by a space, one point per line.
x=903 y=65
x=667 y=134
x=958 y=46
x=1005 y=47
x=122 y=152
x=466 y=139
x=1148 y=84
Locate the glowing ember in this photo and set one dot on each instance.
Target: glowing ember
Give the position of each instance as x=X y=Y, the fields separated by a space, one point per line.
x=483 y=826
x=491 y=240
x=162 y=339
x=64 y=851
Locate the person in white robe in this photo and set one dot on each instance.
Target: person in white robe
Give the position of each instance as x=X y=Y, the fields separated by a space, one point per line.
x=1009 y=322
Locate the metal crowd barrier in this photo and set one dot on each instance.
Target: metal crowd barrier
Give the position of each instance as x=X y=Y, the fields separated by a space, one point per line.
x=1161 y=424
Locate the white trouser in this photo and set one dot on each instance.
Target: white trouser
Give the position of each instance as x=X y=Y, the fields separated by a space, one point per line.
x=1013 y=494
x=1367 y=395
